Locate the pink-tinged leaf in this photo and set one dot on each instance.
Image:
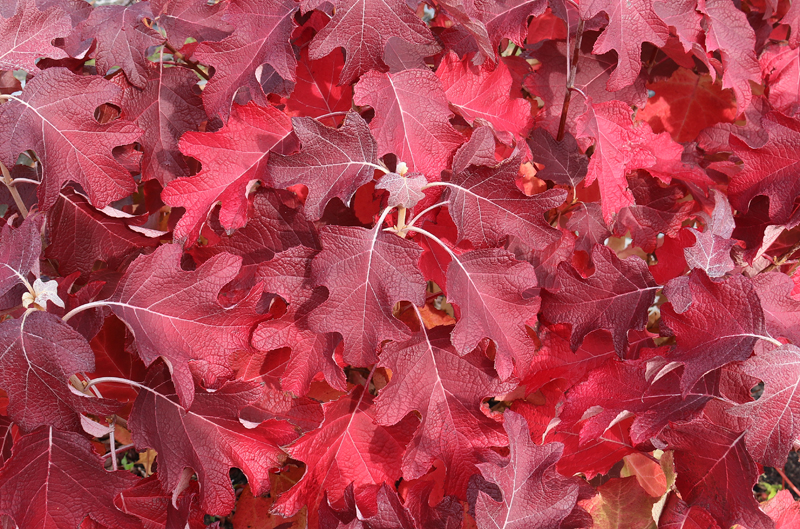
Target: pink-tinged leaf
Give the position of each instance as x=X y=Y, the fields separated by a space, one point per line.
x=232 y=158
x=549 y=83
x=683 y=16
x=269 y=370
x=496 y=296
x=165 y=108
x=781 y=310
x=54 y=480
x=54 y=116
x=784 y=510
x=260 y=40
x=484 y=93
x=122 y=39
x=487 y=206
x=366 y=273
x=616 y=297
x=729 y=32
x=27 y=36
x=712 y=251
x=81 y=235
x=176 y=315
x=587 y=220
x=678 y=515
x=349 y=447
x=148 y=501
x=722 y=323
x=630 y=24
x=563 y=162
x=775 y=416
x=411 y=118
x=621 y=503
x=535 y=496
x=379 y=507
x=781 y=67
x=620 y=147
x=183 y=19
x=331 y=162
x=207 y=437
x=317 y=92
x=478 y=150
x=716 y=473
x=19 y=256
x=447 y=390
x=769 y=170
x=38 y=354
x=657 y=210
x=619 y=387
x=276 y=224
x=363 y=29
x=404 y=190
x=288 y=275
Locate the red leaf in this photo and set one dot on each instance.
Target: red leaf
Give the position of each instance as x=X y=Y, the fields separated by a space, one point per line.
x=712 y=249
x=260 y=41
x=366 y=272
x=232 y=158
x=678 y=515
x=535 y=496
x=81 y=235
x=487 y=206
x=331 y=162
x=165 y=108
x=781 y=67
x=148 y=501
x=621 y=504
x=316 y=92
x=714 y=322
x=183 y=19
x=27 y=35
x=781 y=310
x=775 y=416
x=446 y=389
x=19 y=257
x=40 y=353
x=411 y=118
x=54 y=480
x=348 y=448
x=616 y=297
x=207 y=437
x=404 y=190
x=630 y=24
x=484 y=93
x=176 y=315
x=65 y=129
x=784 y=510
x=363 y=28
x=495 y=295
x=115 y=356
x=122 y=39
x=587 y=220
x=715 y=472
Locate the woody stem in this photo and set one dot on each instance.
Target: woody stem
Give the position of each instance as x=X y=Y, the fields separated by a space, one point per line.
x=570 y=81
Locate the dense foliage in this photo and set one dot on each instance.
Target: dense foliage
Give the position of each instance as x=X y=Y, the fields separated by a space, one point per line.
x=438 y=264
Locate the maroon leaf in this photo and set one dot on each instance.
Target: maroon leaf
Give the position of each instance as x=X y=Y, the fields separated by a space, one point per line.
x=587 y=220
x=260 y=37
x=404 y=190
x=722 y=323
x=148 y=501
x=411 y=118
x=331 y=162
x=563 y=162
x=496 y=297
x=487 y=206
x=81 y=235
x=206 y=437
x=366 y=272
x=534 y=495
x=716 y=473
x=712 y=251
x=27 y=36
x=165 y=108
x=775 y=416
x=363 y=28
x=176 y=315
x=232 y=157
x=39 y=355
x=122 y=39
x=183 y=19
x=447 y=390
x=19 y=257
x=616 y=297
x=54 y=479
x=54 y=116
x=478 y=150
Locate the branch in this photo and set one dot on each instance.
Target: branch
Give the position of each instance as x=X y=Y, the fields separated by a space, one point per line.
x=9 y=182
x=570 y=80
x=194 y=65
x=777 y=263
